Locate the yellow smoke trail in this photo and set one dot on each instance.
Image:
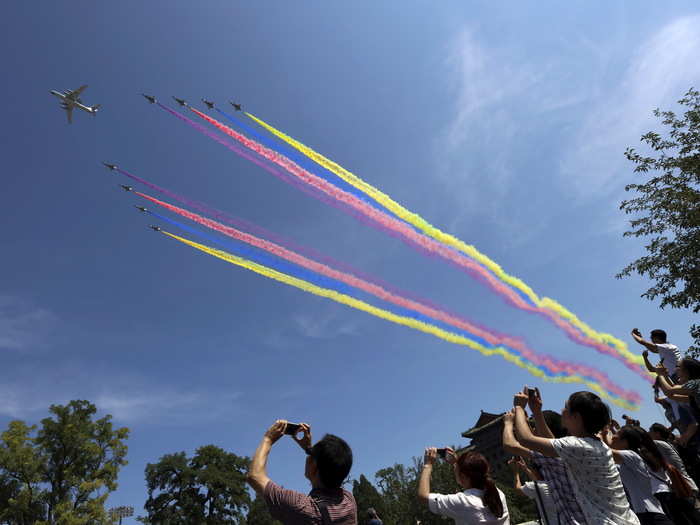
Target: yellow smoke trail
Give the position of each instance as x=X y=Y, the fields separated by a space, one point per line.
x=394 y=318
x=445 y=238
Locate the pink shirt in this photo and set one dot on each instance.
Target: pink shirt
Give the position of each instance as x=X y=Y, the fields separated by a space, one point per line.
x=294 y=508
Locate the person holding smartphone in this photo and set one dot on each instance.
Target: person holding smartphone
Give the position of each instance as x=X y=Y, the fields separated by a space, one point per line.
x=480 y=502
x=328 y=463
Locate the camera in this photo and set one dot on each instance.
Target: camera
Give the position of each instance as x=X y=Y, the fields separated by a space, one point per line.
x=292 y=429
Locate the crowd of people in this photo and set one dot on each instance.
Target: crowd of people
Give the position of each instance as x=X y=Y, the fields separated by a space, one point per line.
x=582 y=466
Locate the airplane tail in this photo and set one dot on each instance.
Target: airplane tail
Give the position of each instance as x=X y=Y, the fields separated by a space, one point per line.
x=95 y=108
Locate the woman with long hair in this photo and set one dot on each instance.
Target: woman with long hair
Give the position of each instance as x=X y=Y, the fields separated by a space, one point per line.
x=657 y=490
x=480 y=501
x=664 y=440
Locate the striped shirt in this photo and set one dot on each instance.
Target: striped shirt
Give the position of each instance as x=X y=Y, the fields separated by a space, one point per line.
x=294 y=508
x=554 y=472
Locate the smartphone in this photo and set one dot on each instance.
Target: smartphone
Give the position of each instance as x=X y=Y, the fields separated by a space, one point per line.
x=442 y=453
x=531 y=393
x=292 y=429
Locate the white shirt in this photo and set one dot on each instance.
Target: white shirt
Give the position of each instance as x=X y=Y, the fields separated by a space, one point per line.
x=670 y=354
x=467 y=507
x=641 y=483
x=674 y=459
x=596 y=480
x=545 y=502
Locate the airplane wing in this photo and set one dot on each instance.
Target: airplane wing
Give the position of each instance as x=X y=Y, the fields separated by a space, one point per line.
x=73 y=95
x=69 y=114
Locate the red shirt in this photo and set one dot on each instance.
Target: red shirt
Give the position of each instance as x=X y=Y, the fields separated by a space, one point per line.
x=294 y=508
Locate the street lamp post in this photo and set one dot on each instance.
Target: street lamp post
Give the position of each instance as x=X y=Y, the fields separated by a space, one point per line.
x=121 y=512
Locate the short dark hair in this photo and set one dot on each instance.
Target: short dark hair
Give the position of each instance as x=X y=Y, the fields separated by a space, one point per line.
x=691 y=367
x=553 y=420
x=333 y=458
x=594 y=413
x=658 y=334
x=663 y=431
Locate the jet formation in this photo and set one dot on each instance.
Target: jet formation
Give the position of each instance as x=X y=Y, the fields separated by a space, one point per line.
x=71 y=100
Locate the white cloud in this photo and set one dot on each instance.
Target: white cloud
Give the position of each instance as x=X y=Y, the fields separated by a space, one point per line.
x=658 y=73
x=164 y=404
x=127 y=397
x=23 y=325
x=326 y=325
x=480 y=80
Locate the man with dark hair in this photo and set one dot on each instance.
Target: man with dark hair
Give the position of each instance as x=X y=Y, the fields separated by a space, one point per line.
x=669 y=354
x=328 y=464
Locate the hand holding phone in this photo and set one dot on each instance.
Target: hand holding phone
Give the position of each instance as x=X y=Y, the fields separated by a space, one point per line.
x=292 y=429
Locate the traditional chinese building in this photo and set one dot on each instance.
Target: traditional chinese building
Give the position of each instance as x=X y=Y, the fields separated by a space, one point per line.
x=486 y=436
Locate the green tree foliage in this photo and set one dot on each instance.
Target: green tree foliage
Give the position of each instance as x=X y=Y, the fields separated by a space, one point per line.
x=259 y=515
x=667 y=210
x=64 y=473
x=208 y=488
x=367 y=497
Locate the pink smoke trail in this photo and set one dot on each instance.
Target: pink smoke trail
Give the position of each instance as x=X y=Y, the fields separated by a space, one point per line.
x=428 y=244
x=555 y=366
x=310 y=190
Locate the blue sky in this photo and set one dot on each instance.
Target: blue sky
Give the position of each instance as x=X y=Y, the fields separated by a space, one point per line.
x=504 y=124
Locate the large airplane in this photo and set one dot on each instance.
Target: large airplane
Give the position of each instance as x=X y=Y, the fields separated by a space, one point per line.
x=71 y=99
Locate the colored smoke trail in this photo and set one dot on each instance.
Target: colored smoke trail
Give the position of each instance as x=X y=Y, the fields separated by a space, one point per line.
x=300 y=159
x=262 y=232
x=427 y=243
x=421 y=224
x=492 y=338
x=398 y=319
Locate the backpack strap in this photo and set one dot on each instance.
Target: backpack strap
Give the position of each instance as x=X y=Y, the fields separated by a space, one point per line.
x=325 y=516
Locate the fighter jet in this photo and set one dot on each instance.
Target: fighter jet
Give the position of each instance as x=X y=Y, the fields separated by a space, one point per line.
x=150 y=98
x=155 y=228
x=71 y=99
x=126 y=188
x=209 y=103
x=181 y=101
x=237 y=107
x=141 y=208
x=110 y=166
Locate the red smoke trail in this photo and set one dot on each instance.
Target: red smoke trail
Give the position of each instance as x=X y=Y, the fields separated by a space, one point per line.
x=262 y=232
x=428 y=244
x=555 y=366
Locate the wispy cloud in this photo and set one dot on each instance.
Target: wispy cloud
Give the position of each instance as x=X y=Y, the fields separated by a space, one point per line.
x=657 y=74
x=22 y=324
x=129 y=398
x=326 y=325
x=161 y=405
x=475 y=154
x=477 y=86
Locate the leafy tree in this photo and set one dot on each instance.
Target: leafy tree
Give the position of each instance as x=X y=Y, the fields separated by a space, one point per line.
x=21 y=498
x=259 y=515
x=64 y=474
x=207 y=489
x=366 y=497
x=667 y=210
